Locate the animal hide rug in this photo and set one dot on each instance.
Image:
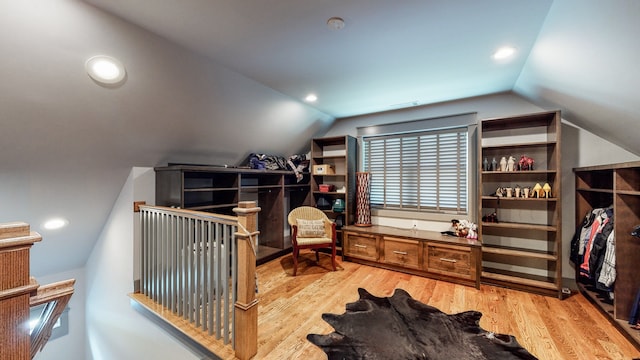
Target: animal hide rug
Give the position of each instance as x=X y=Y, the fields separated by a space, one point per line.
x=400 y=327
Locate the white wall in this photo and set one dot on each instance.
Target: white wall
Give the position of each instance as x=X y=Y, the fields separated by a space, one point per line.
x=114 y=329
x=579 y=148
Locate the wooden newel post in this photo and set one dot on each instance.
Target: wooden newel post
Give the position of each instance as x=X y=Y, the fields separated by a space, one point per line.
x=16 y=287
x=246 y=322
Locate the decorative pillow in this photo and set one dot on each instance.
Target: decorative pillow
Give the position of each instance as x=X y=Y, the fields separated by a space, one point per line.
x=310 y=228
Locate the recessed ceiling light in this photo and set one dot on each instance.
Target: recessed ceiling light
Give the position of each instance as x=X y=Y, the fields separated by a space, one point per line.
x=105 y=69
x=335 y=23
x=504 y=52
x=311 y=98
x=56 y=223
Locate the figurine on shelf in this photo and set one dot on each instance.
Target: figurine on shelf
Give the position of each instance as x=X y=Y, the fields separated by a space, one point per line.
x=464 y=228
x=473 y=231
x=503 y=164
x=511 y=163
x=525 y=163
x=454 y=225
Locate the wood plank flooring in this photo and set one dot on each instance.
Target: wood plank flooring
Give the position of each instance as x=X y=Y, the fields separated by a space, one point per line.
x=291 y=307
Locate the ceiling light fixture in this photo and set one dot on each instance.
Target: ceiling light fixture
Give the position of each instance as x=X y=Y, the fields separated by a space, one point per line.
x=504 y=52
x=311 y=98
x=105 y=70
x=56 y=223
x=335 y=23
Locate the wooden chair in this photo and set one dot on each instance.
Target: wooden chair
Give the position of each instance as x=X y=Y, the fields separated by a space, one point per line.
x=311 y=229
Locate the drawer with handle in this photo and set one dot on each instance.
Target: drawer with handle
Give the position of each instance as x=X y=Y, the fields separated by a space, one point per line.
x=403 y=252
x=361 y=246
x=449 y=260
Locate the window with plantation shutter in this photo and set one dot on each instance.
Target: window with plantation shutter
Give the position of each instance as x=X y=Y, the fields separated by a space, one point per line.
x=424 y=171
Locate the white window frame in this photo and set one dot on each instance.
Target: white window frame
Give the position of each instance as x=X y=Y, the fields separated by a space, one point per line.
x=457 y=123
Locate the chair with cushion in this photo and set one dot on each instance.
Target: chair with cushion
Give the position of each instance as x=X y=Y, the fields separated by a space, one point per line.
x=311 y=229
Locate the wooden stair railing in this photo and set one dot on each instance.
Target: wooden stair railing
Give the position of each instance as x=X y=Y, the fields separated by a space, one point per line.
x=18 y=291
x=187 y=281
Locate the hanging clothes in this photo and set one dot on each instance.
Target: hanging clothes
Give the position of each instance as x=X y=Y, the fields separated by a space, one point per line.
x=581 y=236
x=608 y=274
x=596 y=228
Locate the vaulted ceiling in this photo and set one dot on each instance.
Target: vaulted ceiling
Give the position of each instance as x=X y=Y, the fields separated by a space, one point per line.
x=577 y=55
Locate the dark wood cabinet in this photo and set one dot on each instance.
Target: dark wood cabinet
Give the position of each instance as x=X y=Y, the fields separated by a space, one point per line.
x=218 y=190
x=522 y=249
x=616 y=185
x=419 y=252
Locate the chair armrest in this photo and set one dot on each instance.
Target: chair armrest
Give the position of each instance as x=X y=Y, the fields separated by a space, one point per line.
x=330 y=229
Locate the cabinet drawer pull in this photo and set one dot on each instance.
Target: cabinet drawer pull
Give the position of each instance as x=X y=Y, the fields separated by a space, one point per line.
x=399 y=252
x=361 y=246
x=449 y=260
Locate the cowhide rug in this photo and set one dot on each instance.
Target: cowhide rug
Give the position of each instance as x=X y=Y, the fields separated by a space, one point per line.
x=399 y=327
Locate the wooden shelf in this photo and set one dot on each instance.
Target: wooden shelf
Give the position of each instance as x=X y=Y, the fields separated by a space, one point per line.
x=504 y=198
x=328 y=193
x=536 y=135
x=518 y=173
x=519 y=145
x=520 y=226
x=260 y=187
x=507 y=251
x=489 y=275
x=604 y=191
x=330 y=175
x=616 y=185
x=329 y=157
x=628 y=192
x=218 y=190
x=210 y=189
x=340 y=152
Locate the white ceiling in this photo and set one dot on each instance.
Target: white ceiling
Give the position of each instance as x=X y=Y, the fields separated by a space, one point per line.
x=577 y=55
x=389 y=52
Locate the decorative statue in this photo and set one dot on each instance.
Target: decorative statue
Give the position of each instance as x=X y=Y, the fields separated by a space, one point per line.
x=464 y=228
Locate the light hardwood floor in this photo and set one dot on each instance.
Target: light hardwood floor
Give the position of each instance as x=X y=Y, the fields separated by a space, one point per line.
x=291 y=307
